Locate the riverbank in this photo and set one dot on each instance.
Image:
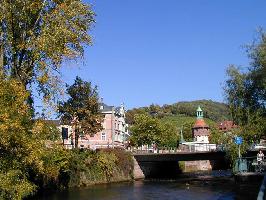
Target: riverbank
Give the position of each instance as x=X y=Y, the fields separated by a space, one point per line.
x=84 y=168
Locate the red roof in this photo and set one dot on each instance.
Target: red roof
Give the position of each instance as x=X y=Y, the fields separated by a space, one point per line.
x=227 y=125
x=200 y=123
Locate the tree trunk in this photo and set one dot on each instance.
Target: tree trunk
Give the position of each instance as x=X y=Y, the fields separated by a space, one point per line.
x=76 y=138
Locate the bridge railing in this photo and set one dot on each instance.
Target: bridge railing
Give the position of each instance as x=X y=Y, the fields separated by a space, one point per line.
x=198 y=147
x=201 y=147
x=154 y=151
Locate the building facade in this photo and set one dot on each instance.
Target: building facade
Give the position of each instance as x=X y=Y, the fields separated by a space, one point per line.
x=115 y=130
x=114 y=134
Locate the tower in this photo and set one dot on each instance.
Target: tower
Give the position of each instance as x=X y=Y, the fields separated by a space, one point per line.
x=200 y=130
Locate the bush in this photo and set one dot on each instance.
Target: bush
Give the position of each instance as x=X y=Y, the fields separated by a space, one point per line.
x=88 y=167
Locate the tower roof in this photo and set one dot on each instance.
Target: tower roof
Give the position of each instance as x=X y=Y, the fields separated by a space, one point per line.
x=199 y=109
x=200 y=123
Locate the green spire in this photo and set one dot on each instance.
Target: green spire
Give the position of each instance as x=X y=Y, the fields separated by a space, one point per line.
x=199 y=113
x=181 y=136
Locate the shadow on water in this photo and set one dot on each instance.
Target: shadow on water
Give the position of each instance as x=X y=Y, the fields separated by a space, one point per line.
x=199 y=186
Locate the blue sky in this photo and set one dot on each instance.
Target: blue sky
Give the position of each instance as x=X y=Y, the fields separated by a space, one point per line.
x=151 y=51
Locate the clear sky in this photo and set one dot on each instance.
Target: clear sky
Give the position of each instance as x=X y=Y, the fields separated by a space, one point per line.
x=155 y=51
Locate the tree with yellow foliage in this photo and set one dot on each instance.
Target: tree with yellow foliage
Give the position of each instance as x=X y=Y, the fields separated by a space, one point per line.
x=36 y=36
x=24 y=157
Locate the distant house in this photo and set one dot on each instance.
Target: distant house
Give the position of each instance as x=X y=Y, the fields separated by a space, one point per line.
x=114 y=134
x=226 y=126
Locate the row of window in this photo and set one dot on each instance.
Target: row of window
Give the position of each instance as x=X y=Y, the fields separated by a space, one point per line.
x=66 y=136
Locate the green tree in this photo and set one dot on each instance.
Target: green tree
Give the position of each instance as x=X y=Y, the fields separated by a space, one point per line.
x=245 y=106
x=146 y=130
x=149 y=130
x=81 y=109
x=36 y=36
x=169 y=135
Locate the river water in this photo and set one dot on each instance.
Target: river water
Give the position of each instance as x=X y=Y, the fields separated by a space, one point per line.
x=205 y=189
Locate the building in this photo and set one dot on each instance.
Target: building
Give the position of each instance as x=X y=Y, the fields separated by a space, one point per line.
x=114 y=134
x=200 y=130
x=226 y=126
x=115 y=130
x=201 y=133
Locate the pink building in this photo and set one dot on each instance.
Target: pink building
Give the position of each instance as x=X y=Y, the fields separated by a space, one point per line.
x=114 y=134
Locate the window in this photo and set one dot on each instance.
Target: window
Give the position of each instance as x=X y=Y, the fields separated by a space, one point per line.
x=64 y=133
x=103 y=136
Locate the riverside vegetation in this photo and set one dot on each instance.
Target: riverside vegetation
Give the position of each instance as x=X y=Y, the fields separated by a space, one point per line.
x=36 y=37
x=32 y=157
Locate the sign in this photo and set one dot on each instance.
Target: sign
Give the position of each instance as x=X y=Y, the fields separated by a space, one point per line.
x=238 y=140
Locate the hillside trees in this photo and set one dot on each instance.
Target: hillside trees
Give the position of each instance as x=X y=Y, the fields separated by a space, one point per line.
x=81 y=109
x=213 y=110
x=36 y=36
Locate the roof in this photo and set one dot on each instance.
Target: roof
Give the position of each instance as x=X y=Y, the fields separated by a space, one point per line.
x=105 y=108
x=226 y=125
x=53 y=121
x=200 y=123
x=199 y=109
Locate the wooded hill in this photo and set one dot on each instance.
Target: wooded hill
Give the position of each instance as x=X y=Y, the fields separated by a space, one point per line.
x=215 y=111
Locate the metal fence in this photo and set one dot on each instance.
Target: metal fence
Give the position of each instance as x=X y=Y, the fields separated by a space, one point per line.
x=249 y=164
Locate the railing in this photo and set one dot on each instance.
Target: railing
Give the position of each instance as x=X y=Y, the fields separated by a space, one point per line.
x=198 y=147
x=249 y=164
x=154 y=151
x=205 y=147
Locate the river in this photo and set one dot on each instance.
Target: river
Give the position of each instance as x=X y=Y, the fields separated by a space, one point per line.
x=200 y=188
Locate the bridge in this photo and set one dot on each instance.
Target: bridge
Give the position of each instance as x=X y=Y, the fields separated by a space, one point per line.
x=169 y=165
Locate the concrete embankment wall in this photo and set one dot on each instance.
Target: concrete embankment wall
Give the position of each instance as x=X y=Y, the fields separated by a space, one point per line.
x=137 y=172
x=248 y=184
x=204 y=165
x=199 y=165
x=262 y=191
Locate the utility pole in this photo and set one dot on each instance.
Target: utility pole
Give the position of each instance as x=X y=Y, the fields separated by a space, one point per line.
x=112 y=126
